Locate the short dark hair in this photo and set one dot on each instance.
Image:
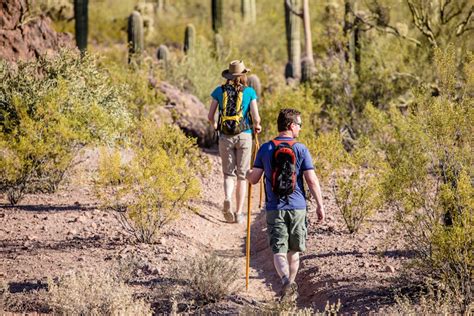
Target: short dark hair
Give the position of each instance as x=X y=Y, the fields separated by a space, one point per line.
x=286 y=117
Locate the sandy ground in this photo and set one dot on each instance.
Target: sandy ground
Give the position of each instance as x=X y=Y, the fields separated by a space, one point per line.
x=49 y=235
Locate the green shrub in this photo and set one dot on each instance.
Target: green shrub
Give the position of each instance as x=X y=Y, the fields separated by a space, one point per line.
x=198 y=74
x=429 y=182
x=328 y=154
x=358 y=184
x=50 y=109
x=99 y=293
x=150 y=184
x=301 y=99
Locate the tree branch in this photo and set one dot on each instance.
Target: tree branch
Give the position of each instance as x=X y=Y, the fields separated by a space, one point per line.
x=461 y=27
x=386 y=29
x=421 y=22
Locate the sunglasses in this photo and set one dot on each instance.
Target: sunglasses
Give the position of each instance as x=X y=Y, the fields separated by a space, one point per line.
x=298 y=123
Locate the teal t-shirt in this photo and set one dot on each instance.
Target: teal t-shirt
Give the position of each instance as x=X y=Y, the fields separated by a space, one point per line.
x=248 y=95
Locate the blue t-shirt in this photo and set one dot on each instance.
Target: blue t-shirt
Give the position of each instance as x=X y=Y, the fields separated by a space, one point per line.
x=248 y=95
x=297 y=199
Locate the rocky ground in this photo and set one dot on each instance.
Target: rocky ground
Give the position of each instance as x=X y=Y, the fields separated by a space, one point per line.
x=46 y=236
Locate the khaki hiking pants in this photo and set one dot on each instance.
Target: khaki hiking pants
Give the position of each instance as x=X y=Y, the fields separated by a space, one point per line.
x=235 y=152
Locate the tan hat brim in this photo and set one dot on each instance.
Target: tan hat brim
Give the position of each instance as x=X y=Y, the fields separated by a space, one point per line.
x=226 y=74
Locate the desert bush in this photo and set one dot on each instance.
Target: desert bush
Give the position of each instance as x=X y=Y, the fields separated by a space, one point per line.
x=328 y=154
x=429 y=182
x=289 y=309
x=198 y=74
x=99 y=293
x=149 y=185
x=432 y=301
x=357 y=187
x=49 y=109
x=301 y=99
x=210 y=277
x=142 y=98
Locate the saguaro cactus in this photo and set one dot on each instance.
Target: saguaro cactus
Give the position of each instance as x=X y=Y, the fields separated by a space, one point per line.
x=254 y=82
x=189 y=39
x=163 y=53
x=135 y=35
x=292 y=26
x=81 y=20
x=218 y=45
x=249 y=11
x=217 y=10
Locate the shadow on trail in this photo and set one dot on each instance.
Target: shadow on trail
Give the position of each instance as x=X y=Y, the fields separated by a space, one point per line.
x=48 y=208
x=22 y=247
x=354 y=296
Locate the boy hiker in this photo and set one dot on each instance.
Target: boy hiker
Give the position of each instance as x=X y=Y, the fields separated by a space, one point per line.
x=285 y=163
x=238 y=114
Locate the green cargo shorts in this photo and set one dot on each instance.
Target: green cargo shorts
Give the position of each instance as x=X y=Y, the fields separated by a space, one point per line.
x=287 y=230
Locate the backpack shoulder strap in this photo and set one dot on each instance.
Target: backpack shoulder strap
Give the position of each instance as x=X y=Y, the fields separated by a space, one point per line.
x=277 y=142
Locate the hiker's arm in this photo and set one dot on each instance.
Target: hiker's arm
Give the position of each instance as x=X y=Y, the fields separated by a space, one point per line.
x=315 y=189
x=212 y=112
x=255 y=116
x=254 y=174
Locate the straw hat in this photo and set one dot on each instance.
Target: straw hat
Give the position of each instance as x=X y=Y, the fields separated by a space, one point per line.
x=236 y=68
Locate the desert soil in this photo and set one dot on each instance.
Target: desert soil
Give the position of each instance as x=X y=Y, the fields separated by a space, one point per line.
x=46 y=236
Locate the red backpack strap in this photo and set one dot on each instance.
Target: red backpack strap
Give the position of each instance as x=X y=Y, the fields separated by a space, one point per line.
x=277 y=142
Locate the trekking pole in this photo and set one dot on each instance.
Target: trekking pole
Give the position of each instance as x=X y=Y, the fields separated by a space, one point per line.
x=249 y=207
x=257 y=147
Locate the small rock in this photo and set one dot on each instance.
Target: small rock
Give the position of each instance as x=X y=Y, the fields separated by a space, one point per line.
x=45 y=218
x=166 y=259
x=163 y=241
x=389 y=269
x=77 y=203
x=2 y=215
x=94 y=226
x=72 y=232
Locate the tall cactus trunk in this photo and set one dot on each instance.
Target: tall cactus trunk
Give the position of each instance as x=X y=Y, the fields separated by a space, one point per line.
x=249 y=11
x=308 y=45
x=352 y=33
x=292 y=26
x=245 y=10
x=189 y=39
x=307 y=63
x=135 y=35
x=253 y=11
x=81 y=23
x=217 y=11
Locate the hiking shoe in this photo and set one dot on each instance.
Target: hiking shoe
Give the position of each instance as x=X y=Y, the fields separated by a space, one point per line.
x=289 y=292
x=228 y=215
x=239 y=218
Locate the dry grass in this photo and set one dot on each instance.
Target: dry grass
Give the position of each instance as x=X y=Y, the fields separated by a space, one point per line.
x=210 y=278
x=99 y=293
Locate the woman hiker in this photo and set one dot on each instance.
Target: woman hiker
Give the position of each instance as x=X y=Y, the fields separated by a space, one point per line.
x=238 y=117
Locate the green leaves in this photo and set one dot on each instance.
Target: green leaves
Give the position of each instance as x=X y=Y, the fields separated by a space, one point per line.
x=152 y=181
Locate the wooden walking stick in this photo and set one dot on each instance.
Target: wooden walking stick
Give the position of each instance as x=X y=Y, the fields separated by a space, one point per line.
x=249 y=208
x=257 y=147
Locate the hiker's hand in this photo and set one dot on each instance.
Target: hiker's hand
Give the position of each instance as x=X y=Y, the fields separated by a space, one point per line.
x=321 y=213
x=214 y=124
x=257 y=128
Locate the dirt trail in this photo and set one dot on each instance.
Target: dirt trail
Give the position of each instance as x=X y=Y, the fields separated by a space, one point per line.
x=49 y=235
x=209 y=229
